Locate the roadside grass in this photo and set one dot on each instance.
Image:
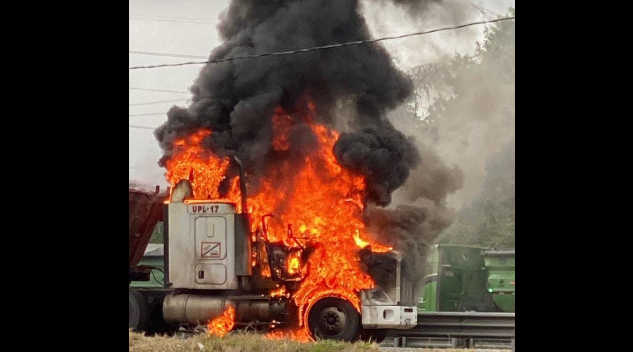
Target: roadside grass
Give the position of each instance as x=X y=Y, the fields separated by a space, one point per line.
x=238 y=342
x=254 y=342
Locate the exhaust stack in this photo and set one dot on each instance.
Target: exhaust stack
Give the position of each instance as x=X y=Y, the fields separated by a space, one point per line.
x=243 y=194
x=182 y=191
x=243 y=245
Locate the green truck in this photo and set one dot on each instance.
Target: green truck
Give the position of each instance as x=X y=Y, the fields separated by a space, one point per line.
x=467 y=278
x=500 y=265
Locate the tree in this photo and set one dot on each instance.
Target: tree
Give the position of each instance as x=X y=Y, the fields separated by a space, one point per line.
x=490 y=220
x=475 y=92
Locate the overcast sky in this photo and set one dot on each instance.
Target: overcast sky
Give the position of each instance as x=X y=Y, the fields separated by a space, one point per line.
x=188 y=27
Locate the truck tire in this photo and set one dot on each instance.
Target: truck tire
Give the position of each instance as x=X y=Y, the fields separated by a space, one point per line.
x=334 y=319
x=138 y=311
x=373 y=335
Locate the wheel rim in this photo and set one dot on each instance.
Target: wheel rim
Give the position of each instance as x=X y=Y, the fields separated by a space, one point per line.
x=332 y=320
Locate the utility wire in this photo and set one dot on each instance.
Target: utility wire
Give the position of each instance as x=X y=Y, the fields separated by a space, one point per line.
x=157 y=102
x=142 y=127
x=150 y=114
x=158 y=90
x=360 y=42
x=172 y=17
x=167 y=55
x=485 y=11
x=165 y=20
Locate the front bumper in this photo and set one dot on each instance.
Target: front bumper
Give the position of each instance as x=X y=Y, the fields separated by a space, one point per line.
x=389 y=317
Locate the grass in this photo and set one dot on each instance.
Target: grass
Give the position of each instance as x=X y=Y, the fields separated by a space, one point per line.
x=246 y=342
x=238 y=342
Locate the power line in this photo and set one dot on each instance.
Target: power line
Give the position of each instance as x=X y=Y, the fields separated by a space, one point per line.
x=166 y=55
x=173 y=17
x=143 y=127
x=157 y=102
x=360 y=42
x=173 y=21
x=484 y=10
x=150 y=114
x=158 y=90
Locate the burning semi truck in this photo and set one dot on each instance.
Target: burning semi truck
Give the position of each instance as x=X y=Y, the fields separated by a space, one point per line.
x=307 y=272
x=281 y=168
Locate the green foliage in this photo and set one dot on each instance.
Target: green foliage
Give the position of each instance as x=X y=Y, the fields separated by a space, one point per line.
x=478 y=91
x=158 y=236
x=490 y=220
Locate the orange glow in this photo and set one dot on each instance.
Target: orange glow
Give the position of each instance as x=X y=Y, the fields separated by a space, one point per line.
x=290 y=334
x=278 y=293
x=223 y=324
x=374 y=247
x=322 y=201
x=281 y=124
x=191 y=161
x=293 y=263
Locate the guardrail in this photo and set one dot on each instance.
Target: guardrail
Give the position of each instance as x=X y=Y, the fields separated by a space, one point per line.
x=457 y=329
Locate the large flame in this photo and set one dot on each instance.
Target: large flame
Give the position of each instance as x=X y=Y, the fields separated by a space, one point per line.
x=205 y=170
x=223 y=324
x=321 y=201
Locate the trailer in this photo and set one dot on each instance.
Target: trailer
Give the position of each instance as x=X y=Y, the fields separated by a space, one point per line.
x=461 y=278
x=213 y=261
x=501 y=275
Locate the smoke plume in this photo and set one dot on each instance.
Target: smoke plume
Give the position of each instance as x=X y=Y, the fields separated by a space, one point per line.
x=419 y=212
x=236 y=99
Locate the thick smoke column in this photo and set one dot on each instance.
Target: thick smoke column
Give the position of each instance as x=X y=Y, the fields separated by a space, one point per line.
x=237 y=99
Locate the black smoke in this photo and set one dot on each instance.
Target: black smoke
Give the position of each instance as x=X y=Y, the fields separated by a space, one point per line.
x=421 y=215
x=409 y=229
x=384 y=155
x=236 y=99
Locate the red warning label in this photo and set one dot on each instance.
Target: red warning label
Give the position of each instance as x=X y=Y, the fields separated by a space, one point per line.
x=210 y=250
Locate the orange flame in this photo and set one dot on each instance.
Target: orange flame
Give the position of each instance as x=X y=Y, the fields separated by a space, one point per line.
x=278 y=293
x=191 y=161
x=293 y=263
x=296 y=335
x=374 y=247
x=223 y=324
x=322 y=201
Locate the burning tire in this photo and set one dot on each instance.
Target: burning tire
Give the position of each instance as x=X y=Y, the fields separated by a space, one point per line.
x=138 y=311
x=334 y=319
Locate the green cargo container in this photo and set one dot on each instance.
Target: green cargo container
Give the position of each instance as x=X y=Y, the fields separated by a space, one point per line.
x=456 y=280
x=500 y=265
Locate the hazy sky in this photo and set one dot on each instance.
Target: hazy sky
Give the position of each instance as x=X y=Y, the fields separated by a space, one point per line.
x=188 y=27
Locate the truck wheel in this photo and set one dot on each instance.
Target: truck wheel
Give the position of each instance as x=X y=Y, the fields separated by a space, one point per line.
x=139 y=311
x=373 y=335
x=333 y=319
